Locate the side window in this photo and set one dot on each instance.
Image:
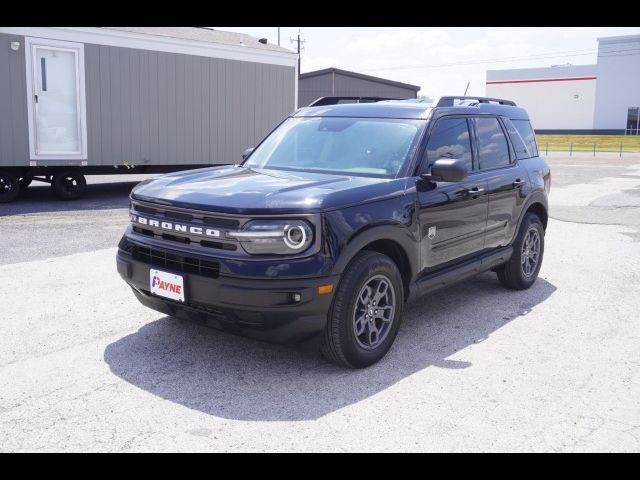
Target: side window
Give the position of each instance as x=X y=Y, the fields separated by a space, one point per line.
x=450 y=139
x=518 y=143
x=526 y=132
x=493 y=149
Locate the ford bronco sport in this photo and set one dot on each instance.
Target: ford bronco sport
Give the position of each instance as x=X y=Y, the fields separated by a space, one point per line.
x=338 y=217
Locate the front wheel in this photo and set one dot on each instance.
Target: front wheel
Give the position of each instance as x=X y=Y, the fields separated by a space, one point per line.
x=521 y=271
x=366 y=312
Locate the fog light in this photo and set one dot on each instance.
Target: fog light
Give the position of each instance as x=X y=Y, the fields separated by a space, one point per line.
x=296 y=297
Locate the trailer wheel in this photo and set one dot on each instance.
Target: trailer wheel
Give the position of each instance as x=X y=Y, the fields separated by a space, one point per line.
x=69 y=184
x=9 y=187
x=26 y=181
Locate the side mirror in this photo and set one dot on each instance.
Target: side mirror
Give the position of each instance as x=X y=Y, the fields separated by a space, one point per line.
x=447 y=170
x=247 y=152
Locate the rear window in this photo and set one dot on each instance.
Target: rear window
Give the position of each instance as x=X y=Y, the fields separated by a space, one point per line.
x=493 y=148
x=526 y=132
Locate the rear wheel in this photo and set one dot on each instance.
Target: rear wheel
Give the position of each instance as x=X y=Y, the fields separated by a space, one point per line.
x=9 y=187
x=69 y=184
x=521 y=271
x=366 y=312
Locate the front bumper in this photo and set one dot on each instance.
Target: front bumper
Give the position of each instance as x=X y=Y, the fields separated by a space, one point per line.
x=261 y=308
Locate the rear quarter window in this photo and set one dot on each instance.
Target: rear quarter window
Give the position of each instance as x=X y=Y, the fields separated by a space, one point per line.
x=519 y=145
x=527 y=135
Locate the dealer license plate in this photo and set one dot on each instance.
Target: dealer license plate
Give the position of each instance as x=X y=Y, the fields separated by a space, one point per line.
x=166 y=285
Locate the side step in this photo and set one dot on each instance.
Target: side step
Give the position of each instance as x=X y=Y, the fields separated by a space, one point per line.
x=456 y=273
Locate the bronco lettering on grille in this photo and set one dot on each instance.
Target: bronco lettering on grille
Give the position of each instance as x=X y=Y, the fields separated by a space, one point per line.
x=175 y=227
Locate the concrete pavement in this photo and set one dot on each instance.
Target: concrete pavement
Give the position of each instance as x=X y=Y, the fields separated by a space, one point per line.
x=84 y=367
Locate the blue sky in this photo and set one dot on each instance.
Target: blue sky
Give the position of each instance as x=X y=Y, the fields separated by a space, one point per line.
x=441 y=60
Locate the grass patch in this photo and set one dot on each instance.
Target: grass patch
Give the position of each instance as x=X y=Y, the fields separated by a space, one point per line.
x=584 y=143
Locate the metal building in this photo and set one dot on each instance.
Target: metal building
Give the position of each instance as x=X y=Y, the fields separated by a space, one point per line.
x=603 y=98
x=140 y=96
x=334 y=82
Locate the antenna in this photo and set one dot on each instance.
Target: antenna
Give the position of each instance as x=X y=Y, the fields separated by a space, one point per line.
x=466 y=89
x=299 y=41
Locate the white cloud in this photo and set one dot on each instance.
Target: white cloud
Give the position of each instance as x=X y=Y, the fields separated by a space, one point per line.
x=399 y=39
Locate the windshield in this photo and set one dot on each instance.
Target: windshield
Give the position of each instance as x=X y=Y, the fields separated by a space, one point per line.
x=355 y=146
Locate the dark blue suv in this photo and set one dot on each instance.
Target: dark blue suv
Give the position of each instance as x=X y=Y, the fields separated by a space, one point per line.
x=341 y=215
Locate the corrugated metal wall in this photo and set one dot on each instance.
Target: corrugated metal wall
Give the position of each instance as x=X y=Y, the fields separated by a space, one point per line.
x=311 y=88
x=146 y=107
x=14 y=132
x=360 y=87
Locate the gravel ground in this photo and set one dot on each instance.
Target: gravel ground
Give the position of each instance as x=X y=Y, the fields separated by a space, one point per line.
x=84 y=367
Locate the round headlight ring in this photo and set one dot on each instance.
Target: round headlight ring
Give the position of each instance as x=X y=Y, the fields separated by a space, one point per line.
x=295 y=236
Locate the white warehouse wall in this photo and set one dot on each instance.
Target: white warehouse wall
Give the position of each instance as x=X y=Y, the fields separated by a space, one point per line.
x=552 y=105
x=618 y=80
x=557 y=98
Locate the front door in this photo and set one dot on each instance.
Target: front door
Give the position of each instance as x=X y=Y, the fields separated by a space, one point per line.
x=452 y=216
x=57 y=117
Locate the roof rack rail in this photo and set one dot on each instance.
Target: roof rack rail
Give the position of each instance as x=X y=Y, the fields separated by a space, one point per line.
x=335 y=100
x=448 y=101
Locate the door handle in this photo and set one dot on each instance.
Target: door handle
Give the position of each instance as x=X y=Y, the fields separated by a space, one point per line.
x=36 y=98
x=518 y=183
x=475 y=190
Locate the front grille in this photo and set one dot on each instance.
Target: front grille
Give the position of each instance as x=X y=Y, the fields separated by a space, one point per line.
x=203 y=220
x=167 y=212
x=187 y=240
x=180 y=263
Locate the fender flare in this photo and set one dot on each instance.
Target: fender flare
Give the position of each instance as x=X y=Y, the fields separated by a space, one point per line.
x=397 y=233
x=537 y=196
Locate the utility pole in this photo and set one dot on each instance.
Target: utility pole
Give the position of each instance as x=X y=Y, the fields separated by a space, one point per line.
x=278 y=36
x=299 y=41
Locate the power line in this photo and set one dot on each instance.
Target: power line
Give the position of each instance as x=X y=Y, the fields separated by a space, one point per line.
x=548 y=55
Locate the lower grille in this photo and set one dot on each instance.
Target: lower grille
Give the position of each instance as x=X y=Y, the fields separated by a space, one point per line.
x=180 y=263
x=213 y=312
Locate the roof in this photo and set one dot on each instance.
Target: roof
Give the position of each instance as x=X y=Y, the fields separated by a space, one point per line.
x=407 y=109
x=560 y=71
x=358 y=75
x=208 y=35
x=620 y=39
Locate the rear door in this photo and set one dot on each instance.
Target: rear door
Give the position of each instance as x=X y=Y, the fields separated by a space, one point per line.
x=452 y=215
x=497 y=164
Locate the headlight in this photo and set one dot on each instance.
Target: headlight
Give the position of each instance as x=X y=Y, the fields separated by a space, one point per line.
x=274 y=237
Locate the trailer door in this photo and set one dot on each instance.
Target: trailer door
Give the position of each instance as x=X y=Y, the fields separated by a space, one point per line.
x=57 y=123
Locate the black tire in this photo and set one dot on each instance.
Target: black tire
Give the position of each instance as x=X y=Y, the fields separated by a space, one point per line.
x=341 y=344
x=69 y=184
x=512 y=274
x=9 y=187
x=25 y=181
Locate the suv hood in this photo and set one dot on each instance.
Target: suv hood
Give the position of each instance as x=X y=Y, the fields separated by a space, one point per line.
x=236 y=189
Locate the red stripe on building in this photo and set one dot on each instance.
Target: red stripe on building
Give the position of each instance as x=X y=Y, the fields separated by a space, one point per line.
x=567 y=79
